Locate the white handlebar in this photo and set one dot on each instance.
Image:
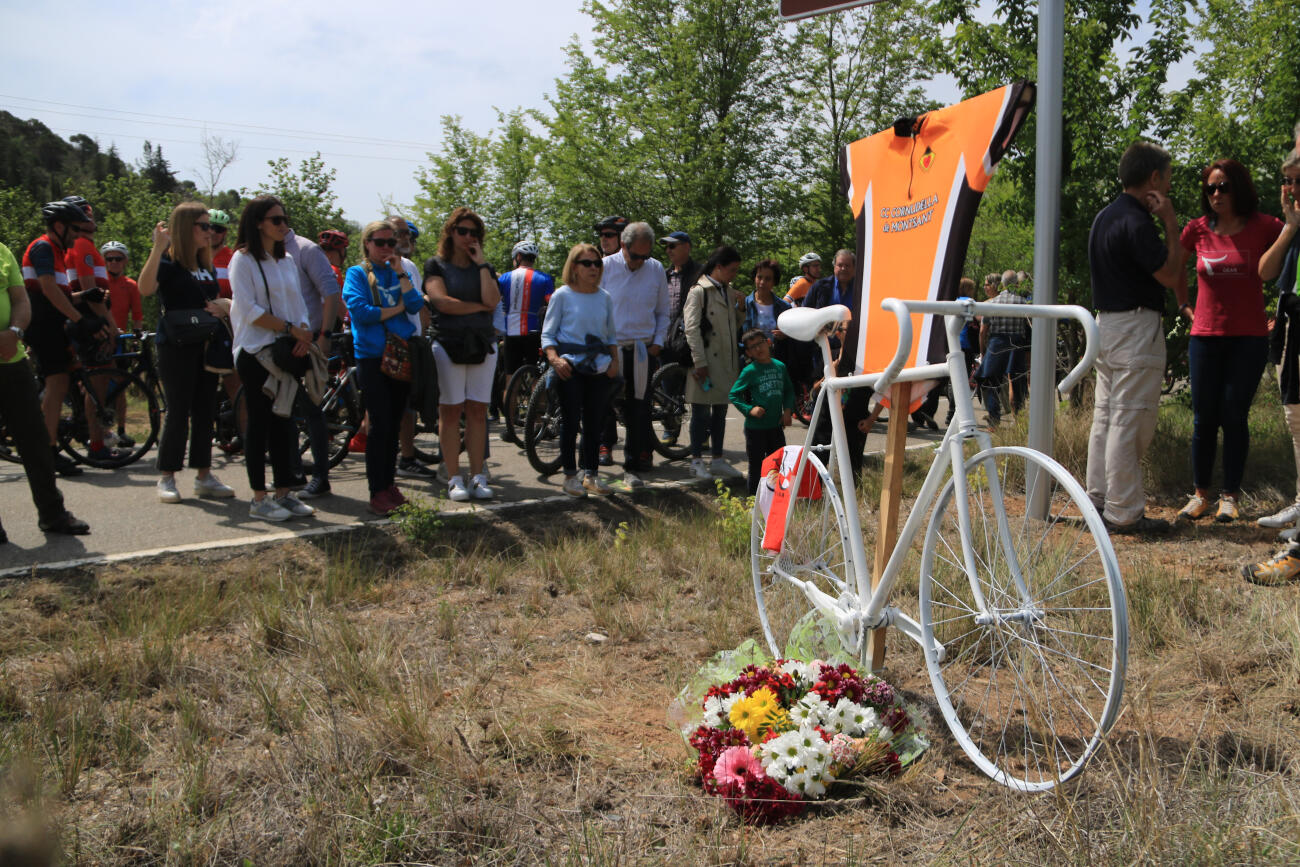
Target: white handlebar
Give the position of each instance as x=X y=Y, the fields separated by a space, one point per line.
x=957 y=313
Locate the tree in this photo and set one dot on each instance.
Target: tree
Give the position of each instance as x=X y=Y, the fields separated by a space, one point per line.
x=858 y=71
x=155 y=168
x=459 y=176
x=306 y=194
x=20 y=219
x=218 y=155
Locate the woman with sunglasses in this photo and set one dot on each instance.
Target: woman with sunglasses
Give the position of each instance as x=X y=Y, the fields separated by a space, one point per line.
x=1229 y=343
x=179 y=270
x=578 y=341
x=463 y=291
x=267 y=304
x=1280 y=263
x=379 y=293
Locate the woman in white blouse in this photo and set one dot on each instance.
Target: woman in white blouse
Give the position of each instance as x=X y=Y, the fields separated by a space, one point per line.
x=266 y=304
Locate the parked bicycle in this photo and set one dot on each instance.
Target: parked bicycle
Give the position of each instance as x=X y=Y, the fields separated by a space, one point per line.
x=1021 y=616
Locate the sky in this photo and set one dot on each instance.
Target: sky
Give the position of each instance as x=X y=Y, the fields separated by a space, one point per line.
x=357 y=83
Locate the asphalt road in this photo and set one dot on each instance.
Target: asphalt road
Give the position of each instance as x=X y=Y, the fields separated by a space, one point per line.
x=128 y=521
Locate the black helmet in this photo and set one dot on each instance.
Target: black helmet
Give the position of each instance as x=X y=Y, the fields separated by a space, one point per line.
x=64 y=212
x=618 y=224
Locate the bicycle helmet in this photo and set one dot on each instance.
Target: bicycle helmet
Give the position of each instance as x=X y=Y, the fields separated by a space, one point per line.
x=332 y=239
x=618 y=224
x=524 y=248
x=64 y=212
x=218 y=217
x=115 y=247
x=808 y=259
x=414 y=230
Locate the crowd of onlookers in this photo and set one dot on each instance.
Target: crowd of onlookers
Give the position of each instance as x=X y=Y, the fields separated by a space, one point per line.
x=259 y=313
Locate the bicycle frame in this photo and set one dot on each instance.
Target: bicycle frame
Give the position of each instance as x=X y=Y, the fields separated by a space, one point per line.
x=950 y=455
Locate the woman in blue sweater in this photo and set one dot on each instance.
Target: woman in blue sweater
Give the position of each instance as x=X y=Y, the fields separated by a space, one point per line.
x=578 y=340
x=379 y=293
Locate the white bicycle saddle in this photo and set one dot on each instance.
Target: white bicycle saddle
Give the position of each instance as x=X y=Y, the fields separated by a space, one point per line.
x=805 y=323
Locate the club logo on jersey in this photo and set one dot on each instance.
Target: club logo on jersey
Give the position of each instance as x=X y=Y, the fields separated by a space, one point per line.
x=927 y=159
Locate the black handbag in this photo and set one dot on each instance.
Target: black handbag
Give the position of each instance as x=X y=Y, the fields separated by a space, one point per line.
x=190 y=327
x=283 y=345
x=467 y=345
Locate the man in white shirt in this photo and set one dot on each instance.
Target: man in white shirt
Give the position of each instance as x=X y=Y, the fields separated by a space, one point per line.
x=639 y=288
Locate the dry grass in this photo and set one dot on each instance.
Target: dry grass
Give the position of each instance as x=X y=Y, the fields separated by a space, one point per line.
x=378 y=701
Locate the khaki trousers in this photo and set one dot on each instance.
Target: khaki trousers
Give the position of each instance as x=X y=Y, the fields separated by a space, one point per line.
x=1130 y=369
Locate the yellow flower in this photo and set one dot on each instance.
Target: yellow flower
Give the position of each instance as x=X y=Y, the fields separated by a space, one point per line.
x=756 y=713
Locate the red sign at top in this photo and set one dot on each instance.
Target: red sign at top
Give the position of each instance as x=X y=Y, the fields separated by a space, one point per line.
x=793 y=9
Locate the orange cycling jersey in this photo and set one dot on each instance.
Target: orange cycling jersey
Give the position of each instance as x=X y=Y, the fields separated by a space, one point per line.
x=221 y=264
x=798 y=290
x=83 y=260
x=914 y=190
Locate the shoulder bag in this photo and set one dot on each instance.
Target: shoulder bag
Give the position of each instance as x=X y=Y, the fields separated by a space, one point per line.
x=283 y=345
x=395 y=363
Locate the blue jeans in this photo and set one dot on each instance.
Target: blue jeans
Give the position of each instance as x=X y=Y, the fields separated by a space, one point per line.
x=708 y=422
x=1225 y=372
x=1001 y=359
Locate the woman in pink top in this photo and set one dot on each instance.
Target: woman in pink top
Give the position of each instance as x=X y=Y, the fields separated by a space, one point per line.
x=1229 y=343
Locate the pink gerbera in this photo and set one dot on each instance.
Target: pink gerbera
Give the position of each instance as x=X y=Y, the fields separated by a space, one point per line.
x=733 y=766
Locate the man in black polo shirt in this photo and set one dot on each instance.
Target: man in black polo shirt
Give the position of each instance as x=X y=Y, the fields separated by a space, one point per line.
x=1131 y=268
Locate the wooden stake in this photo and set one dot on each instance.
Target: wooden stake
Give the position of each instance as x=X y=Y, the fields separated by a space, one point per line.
x=891 y=497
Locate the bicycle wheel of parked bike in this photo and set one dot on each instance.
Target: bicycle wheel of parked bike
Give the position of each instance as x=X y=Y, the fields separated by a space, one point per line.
x=7 y=450
x=228 y=422
x=668 y=412
x=542 y=428
x=515 y=411
x=126 y=410
x=804 y=399
x=342 y=419
x=1026 y=631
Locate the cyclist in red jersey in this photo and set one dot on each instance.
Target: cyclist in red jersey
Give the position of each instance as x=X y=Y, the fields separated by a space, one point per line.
x=123 y=293
x=221 y=254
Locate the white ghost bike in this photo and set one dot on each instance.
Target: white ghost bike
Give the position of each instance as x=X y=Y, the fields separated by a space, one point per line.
x=1022 y=615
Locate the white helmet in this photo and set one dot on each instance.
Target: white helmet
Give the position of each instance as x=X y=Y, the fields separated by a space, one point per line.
x=115 y=247
x=524 y=248
x=808 y=259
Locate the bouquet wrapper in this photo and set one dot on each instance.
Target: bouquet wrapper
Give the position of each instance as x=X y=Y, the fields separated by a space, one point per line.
x=775 y=494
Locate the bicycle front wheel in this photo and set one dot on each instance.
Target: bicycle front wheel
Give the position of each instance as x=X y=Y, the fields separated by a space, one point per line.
x=542 y=429
x=1026 y=631
x=515 y=410
x=126 y=411
x=668 y=412
x=814 y=550
x=342 y=419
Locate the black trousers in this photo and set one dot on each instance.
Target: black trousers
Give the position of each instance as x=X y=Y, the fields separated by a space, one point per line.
x=265 y=430
x=759 y=443
x=856 y=408
x=191 y=403
x=639 y=441
x=386 y=402
x=584 y=403
x=20 y=410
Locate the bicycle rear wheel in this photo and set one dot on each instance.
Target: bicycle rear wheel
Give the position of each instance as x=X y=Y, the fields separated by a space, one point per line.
x=542 y=429
x=342 y=419
x=1031 y=681
x=515 y=411
x=814 y=549
x=126 y=409
x=668 y=412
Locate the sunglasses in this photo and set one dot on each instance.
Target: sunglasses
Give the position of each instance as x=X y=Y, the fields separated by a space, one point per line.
x=638 y=257
x=279 y=220
x=114 y=258
x=670 y=246
x=590 y=263
x=384 y=242
x=466 y=230
x=609 y=234
x=206 y=227
x=1221 y=187
x=217 y=228
x=1291 y=182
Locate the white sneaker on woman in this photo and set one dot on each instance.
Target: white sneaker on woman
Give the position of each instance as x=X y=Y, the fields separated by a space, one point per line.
x=478 y=488
x=167 y=490
x=1289 y=515
x=456 y=491
x=209 y=487
x=723 y=470
x=294 y=506
x=267 y=509
x=573 y=487
x=700 y=469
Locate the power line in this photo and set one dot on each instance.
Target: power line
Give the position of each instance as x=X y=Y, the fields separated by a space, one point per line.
x=229 y=126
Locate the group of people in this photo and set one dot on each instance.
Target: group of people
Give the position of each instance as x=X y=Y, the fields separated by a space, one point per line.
x=615 y=316
x=1236 y=248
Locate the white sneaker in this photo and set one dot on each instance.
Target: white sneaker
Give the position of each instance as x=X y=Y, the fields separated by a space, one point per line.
x=294 y=506
x=1289 y=515
x=456 y=490
x=573 y=487
x=211 y=488
x=700 y=469
x=167 y=490
x=478 y=488
x=632 y=480
x=721 y=469
x=267 y=509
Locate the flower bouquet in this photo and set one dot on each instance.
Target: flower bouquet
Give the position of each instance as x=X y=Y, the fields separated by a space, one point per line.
x=783 y=733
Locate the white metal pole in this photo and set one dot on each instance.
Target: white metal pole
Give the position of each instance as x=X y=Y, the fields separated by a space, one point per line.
x=1047 y=222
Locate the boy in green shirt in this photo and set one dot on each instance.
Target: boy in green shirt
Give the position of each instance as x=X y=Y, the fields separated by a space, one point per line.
x=765 y=395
